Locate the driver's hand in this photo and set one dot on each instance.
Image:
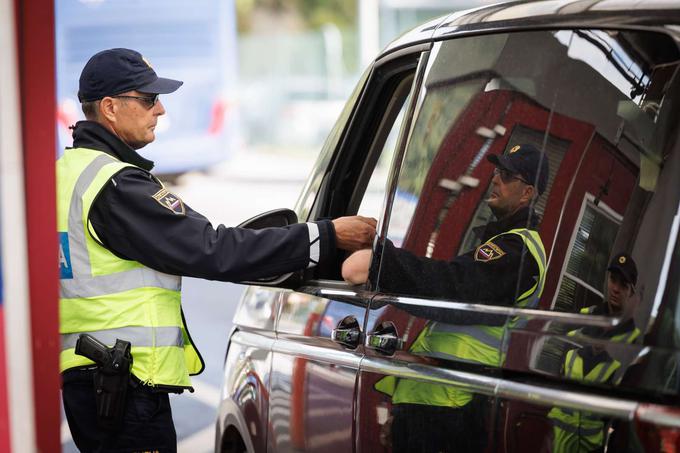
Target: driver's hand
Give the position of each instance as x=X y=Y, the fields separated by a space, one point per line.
x=355 y=268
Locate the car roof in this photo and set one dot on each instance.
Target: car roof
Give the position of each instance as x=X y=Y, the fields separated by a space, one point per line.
x=528 y=14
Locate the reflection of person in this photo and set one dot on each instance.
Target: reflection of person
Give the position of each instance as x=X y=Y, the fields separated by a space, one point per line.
x=577 y=431
x=621 y=301
x=431 y=417
x=124 y=242
x=489 y=273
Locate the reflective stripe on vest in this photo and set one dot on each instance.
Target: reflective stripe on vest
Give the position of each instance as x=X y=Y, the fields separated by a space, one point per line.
x=139 y=336
x=468 y=343
x=111 y=298
x=625 y=337
x=488 y=339
x=573 y=428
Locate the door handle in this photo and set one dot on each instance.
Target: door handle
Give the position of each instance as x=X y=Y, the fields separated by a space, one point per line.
x=384 y=339
x=347 y=332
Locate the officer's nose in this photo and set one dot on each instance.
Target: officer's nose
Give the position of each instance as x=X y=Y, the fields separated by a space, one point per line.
x=159 y=108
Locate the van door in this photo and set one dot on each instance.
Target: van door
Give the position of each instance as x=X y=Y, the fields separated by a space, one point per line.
x=321 y=325
x=460 y=358
x=609 y=233
x=433 y=346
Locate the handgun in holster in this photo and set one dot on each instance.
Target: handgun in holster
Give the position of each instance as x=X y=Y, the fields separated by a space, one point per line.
x=111 y=379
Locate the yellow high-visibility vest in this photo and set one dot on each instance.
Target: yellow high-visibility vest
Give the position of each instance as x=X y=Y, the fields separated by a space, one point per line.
x=469 y=343
x=574 y=430
x=111 y=298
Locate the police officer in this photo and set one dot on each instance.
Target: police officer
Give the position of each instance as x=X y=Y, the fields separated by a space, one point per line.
x=432 y=417
x=125 y=240
x=573 y=430
x=620 y=301
x=489 y=273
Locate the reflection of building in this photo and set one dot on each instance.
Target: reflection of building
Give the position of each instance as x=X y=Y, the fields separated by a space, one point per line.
x=571 y=143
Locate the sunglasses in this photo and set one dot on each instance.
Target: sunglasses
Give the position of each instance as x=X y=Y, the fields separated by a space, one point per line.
x=508 y=176
x=148 y=101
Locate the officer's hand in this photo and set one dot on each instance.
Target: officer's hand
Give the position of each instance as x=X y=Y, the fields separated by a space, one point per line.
x=355 y=232
x=355 y=268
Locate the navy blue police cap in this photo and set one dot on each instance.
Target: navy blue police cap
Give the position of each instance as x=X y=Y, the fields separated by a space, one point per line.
x=527 y=162
x=115 y=71
x=624 y=264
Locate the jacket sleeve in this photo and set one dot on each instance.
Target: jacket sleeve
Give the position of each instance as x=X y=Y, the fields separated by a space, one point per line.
x=469 y=277
x=137 y=219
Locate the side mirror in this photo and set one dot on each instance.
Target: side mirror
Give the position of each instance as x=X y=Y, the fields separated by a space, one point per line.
x=275 y=218
x=269 y=219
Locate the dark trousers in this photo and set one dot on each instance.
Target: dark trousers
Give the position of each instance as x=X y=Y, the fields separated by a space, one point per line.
x=147 y=423
x=435 y=429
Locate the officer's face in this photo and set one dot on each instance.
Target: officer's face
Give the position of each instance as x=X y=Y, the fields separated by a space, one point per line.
x=508 y=194
x=135 y=119
x=619 y=292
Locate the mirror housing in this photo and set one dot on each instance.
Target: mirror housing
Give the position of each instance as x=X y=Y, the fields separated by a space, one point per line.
x=272 y=219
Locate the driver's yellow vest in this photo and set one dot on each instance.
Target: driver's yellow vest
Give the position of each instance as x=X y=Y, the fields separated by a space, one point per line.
x=109 y=297
x=574 y=430
x=469 y=343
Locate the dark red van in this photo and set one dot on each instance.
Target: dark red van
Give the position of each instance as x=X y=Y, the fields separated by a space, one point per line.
x=316 y=364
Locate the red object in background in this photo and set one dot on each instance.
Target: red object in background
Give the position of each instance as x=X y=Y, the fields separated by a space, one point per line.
x=4 y=410
x=218 y=115
x=34 y=29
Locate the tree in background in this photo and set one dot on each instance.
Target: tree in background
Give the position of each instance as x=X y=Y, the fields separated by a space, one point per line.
x=311 y=14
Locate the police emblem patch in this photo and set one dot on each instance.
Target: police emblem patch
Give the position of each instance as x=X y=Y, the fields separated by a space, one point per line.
x=488 y=252
x=169 y=201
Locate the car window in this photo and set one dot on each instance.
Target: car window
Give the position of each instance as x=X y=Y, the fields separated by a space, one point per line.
x=311 y=189
x=372 y=200
x=600 y=107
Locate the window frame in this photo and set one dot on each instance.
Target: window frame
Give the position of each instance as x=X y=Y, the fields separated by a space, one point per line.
x=588 y=201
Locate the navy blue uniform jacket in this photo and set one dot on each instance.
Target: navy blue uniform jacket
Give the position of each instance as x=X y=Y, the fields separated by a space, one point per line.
x=134 y=225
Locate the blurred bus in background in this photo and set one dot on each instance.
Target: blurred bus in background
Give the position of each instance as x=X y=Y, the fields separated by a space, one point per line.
x=195 y=42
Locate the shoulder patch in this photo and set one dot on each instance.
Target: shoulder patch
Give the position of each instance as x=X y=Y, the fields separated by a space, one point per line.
x=169 y=201
x=488 y=252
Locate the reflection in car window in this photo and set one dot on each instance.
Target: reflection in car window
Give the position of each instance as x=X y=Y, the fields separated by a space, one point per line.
x=601 y=109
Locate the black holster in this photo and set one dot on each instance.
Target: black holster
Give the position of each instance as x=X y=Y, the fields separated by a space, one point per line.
x=111 y=379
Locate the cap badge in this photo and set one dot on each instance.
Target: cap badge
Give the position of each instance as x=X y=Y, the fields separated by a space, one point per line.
x=622 y=260
x=147 y=62
x=514 y=149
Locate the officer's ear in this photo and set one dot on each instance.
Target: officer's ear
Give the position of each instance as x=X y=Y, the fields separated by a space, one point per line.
x=528 y=194
x=107 y=109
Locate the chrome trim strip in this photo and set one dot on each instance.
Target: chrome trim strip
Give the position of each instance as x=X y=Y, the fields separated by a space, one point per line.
x=502 y=388
x=253 y=340
x=573 y=318
x=336 y=357
x=426 y=373
x=298 y=349
x=658 y=415
x=337 y=292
